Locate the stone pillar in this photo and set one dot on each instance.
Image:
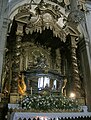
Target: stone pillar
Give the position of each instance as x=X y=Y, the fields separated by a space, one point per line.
x=86 y=68
x=75 y=73
x=3 y=45
x=3 y=33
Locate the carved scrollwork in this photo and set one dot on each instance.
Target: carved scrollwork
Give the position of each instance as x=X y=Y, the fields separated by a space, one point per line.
x=44 y=16
x=81 y=5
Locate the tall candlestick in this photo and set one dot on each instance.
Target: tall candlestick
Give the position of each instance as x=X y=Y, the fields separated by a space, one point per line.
x=31 y=90
x=26 y=61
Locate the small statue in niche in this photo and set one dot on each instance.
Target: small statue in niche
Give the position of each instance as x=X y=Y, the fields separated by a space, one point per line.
x=64 y=87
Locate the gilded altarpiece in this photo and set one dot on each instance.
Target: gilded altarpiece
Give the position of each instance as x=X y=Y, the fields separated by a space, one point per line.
x=38 y=48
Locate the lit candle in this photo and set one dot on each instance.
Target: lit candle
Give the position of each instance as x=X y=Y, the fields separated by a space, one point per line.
x=31 y=90
x=26 y=61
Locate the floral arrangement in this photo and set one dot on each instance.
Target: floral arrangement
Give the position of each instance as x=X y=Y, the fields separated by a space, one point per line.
x=49 y=103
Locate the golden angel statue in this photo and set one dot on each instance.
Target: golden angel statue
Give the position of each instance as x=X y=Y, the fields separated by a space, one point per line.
x=21 y=85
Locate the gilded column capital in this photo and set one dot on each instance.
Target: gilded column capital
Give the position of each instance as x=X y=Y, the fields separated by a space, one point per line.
x=73 y=42
x=19 y=29
x=18 y=33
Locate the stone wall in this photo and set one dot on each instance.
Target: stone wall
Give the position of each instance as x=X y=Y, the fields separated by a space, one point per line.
x=3 y=28
x=86 y=54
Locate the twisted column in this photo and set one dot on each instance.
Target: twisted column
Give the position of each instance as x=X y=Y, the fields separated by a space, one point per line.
x=16 y=63
x=16 y=52
x=75 y=71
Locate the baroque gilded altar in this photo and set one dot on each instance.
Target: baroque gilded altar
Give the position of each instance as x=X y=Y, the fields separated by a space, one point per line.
x=41 y=55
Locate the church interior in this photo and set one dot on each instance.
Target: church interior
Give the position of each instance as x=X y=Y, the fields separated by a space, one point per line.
x=45 y=66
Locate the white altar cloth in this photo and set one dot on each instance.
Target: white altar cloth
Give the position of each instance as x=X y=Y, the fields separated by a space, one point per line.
x=31 y=115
